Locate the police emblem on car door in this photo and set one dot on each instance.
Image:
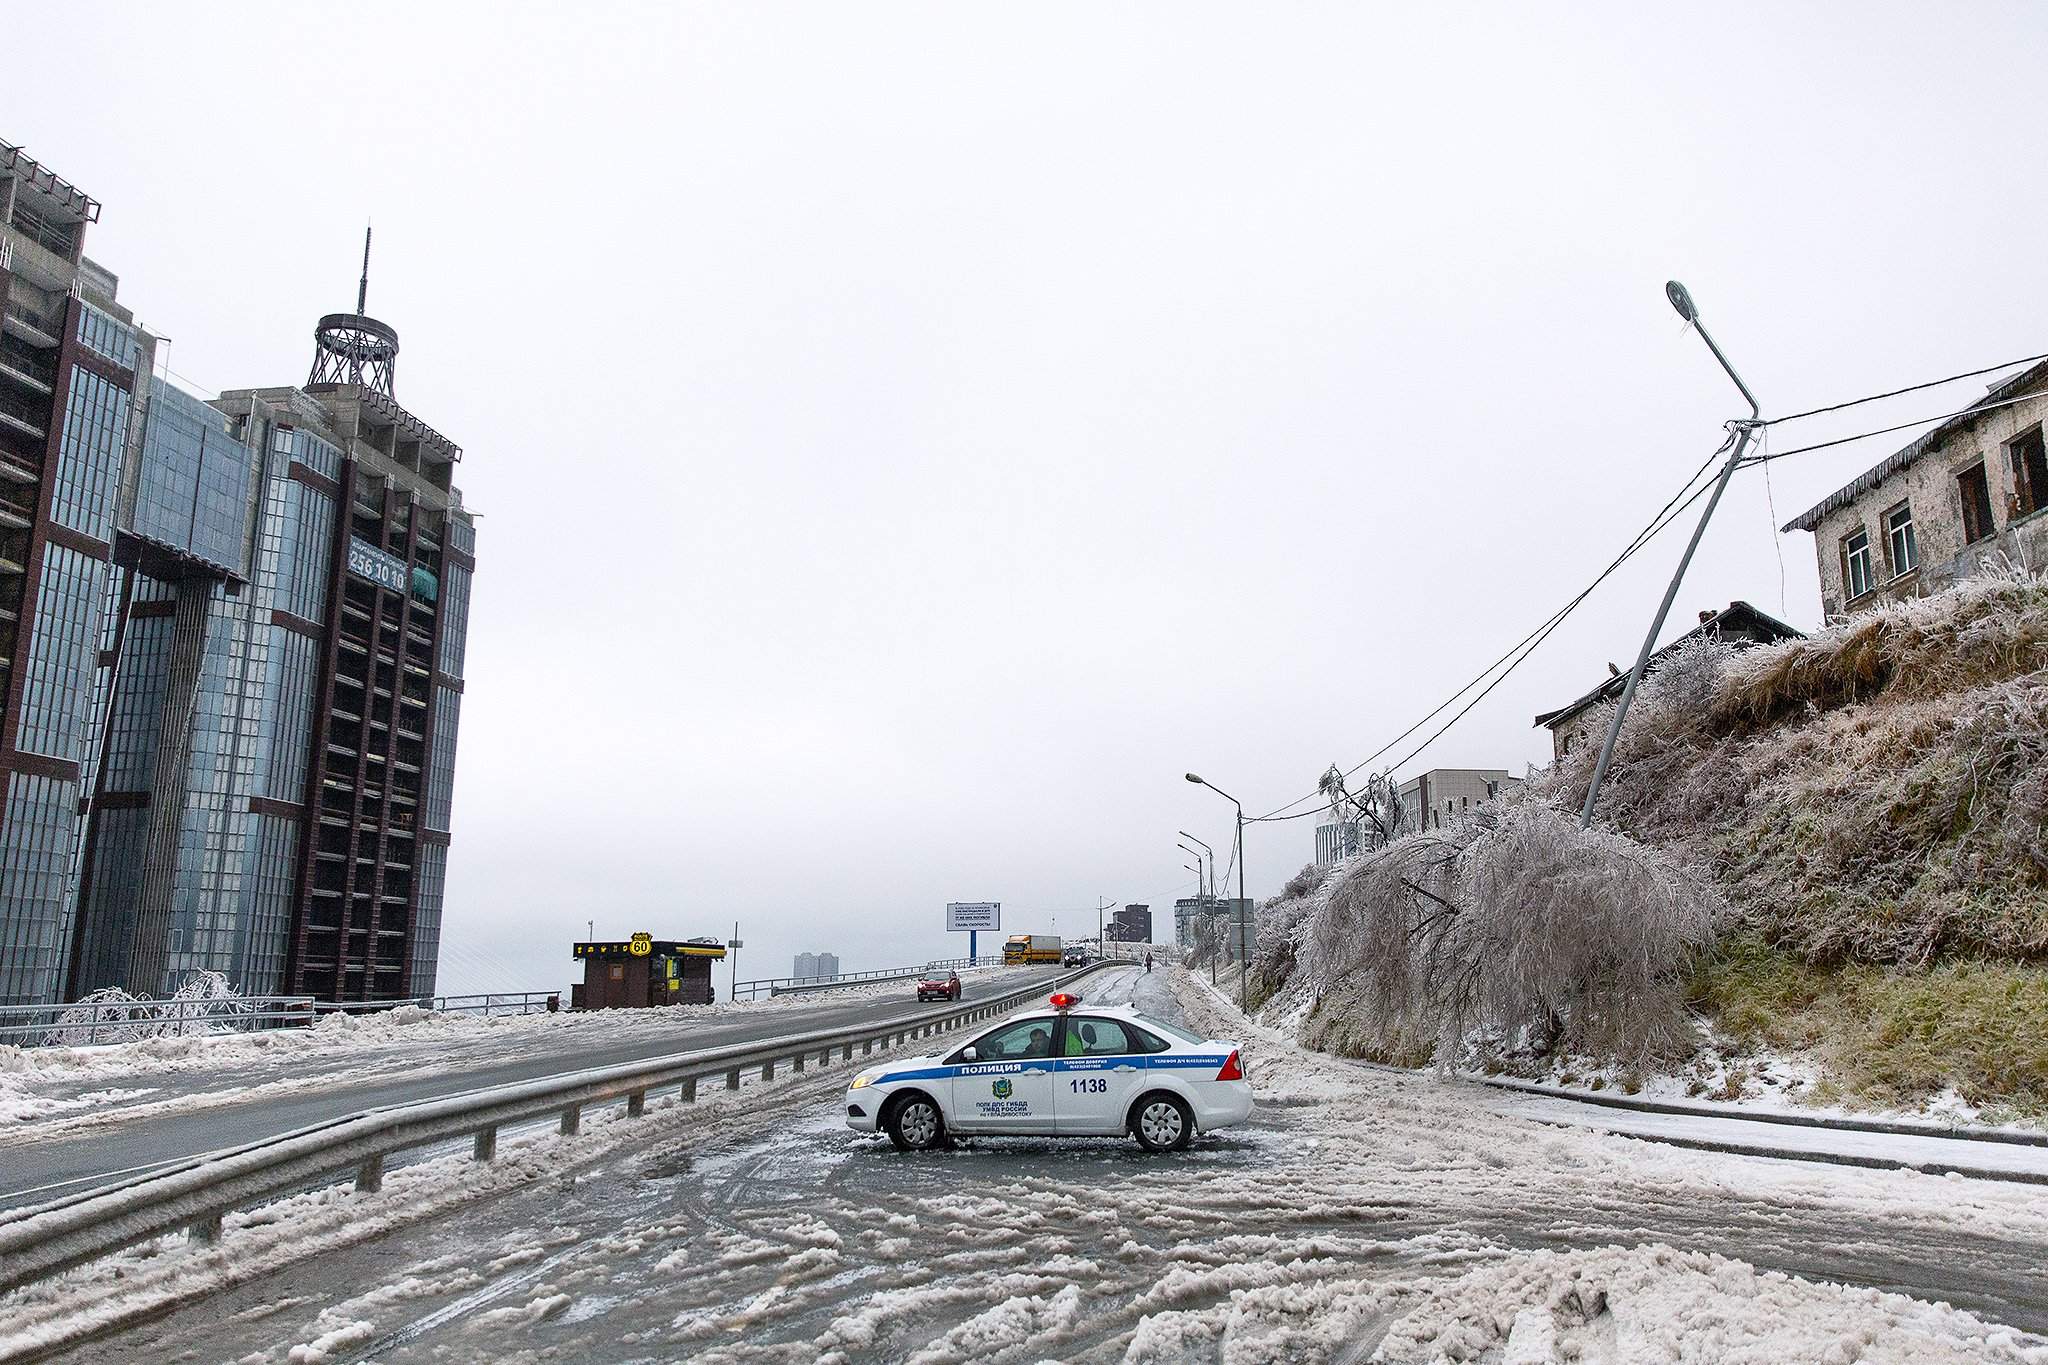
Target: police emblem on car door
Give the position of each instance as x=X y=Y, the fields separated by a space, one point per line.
x=1008 y=1085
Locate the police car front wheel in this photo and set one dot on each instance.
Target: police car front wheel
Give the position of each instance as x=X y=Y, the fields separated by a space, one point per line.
x=915 y=1125
x=1162 y=1123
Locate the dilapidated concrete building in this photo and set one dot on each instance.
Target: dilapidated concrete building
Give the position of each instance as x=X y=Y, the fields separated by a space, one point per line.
x=1968 y=493
x=1585 y=720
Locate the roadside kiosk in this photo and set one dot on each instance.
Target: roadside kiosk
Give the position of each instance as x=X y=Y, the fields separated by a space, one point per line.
x=644 y=970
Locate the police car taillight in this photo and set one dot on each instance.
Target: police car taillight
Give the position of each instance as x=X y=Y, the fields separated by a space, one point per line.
x=1231 y=1071
x=1063 y=1001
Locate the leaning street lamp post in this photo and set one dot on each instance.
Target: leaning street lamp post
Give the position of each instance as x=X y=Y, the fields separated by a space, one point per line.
x=1744 y=431
x=1239 y=908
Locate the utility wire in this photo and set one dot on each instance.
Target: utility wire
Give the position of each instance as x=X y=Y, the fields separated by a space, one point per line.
x=1972 y=411
x=1910 y=388
x=1410 y=755
x=1685 y=496
x=1771 y=510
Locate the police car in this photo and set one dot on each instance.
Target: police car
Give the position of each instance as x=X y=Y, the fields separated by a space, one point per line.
x=1066 y=1071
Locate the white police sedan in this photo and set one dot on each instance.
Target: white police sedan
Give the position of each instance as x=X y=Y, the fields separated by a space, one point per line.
x=1065 y=1071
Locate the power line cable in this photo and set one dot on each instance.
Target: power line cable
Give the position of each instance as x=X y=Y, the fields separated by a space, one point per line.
x=1686 y=492
x=1910 y=388
x=1771 y=511
x=1972 y=411
x=1410 y=755
x=1527 y=645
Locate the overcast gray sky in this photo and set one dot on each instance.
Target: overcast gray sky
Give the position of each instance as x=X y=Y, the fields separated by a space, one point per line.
x=909 y=437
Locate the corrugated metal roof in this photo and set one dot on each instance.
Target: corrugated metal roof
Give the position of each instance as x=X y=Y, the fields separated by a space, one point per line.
x=1871 y=478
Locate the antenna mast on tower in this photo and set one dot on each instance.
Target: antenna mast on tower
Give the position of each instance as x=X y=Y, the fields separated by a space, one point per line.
x=363 y=288
x=355 y=348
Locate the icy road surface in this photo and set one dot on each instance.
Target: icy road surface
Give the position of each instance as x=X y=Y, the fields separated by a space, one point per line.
x=71 y=1118
x=1361 y=1217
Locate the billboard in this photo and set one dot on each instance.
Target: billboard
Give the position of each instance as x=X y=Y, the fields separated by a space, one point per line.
x=976 y=915
x=386 y=571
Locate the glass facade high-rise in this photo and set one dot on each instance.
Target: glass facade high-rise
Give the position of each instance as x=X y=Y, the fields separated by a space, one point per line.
x=231 y=644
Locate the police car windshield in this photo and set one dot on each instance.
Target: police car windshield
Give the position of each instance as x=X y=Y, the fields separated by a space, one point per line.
x=1170 y=1030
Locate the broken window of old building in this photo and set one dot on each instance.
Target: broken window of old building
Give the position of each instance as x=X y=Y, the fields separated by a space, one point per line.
x=1975 y=491
x=2029 y=472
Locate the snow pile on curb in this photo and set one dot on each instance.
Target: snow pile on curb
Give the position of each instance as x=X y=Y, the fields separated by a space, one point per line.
x=148 y=1279
x=1650 y=1304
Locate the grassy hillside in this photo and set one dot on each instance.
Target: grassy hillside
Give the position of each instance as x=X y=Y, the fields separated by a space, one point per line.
x=1868 y=811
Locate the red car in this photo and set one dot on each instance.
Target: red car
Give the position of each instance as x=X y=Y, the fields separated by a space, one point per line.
x=945 y=987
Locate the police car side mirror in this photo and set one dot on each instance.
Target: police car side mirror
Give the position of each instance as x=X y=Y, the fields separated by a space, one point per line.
x=968 y=1054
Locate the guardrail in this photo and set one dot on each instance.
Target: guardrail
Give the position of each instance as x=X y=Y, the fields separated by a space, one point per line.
x=41 y=1240
x=784 y=985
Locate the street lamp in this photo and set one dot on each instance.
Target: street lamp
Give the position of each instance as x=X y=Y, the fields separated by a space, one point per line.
x=1238 y=909
x=1200 y=893
x=1192 y=867
x=1744 y=430
x=1212 y=858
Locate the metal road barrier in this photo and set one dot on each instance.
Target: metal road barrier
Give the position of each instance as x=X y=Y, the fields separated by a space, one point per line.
x=786 y=985
x=43 y=1239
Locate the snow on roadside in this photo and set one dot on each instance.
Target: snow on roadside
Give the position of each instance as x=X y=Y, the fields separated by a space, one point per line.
x=153 y=1277
x=420 y=1042
x=1362 y=1212
x=1624 y=1305
x=1736 y=1079
x=1389 y=1137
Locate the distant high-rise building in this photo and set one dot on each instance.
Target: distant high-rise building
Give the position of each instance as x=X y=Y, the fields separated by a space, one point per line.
x=816 y=966
x=231 y=646
x=1132 y=924
x=1444 y=796
x=1336 y=840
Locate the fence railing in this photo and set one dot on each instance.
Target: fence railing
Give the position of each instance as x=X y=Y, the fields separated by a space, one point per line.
x=491 y=1003
x=785 y=985
x=44 y=1239
x=89 y=1023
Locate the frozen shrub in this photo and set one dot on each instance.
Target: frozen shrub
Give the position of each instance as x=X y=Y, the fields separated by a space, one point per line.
x=203 y=1002
x=107 y=1015
x=1280 y=923
x=1516 y=924
x=1676 y=778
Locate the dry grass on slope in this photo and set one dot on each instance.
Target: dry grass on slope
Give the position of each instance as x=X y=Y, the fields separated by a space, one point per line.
x=1875 y=793
x=1986 y=630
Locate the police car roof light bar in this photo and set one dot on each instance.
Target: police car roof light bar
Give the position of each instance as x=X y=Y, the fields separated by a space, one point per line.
x=1064 y=1001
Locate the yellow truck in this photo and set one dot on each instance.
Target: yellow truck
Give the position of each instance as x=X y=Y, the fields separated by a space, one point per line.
x=1024 y=949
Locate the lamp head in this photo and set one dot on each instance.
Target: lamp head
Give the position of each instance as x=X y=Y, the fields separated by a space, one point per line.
x=1681 y=301
x=1196 y=780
